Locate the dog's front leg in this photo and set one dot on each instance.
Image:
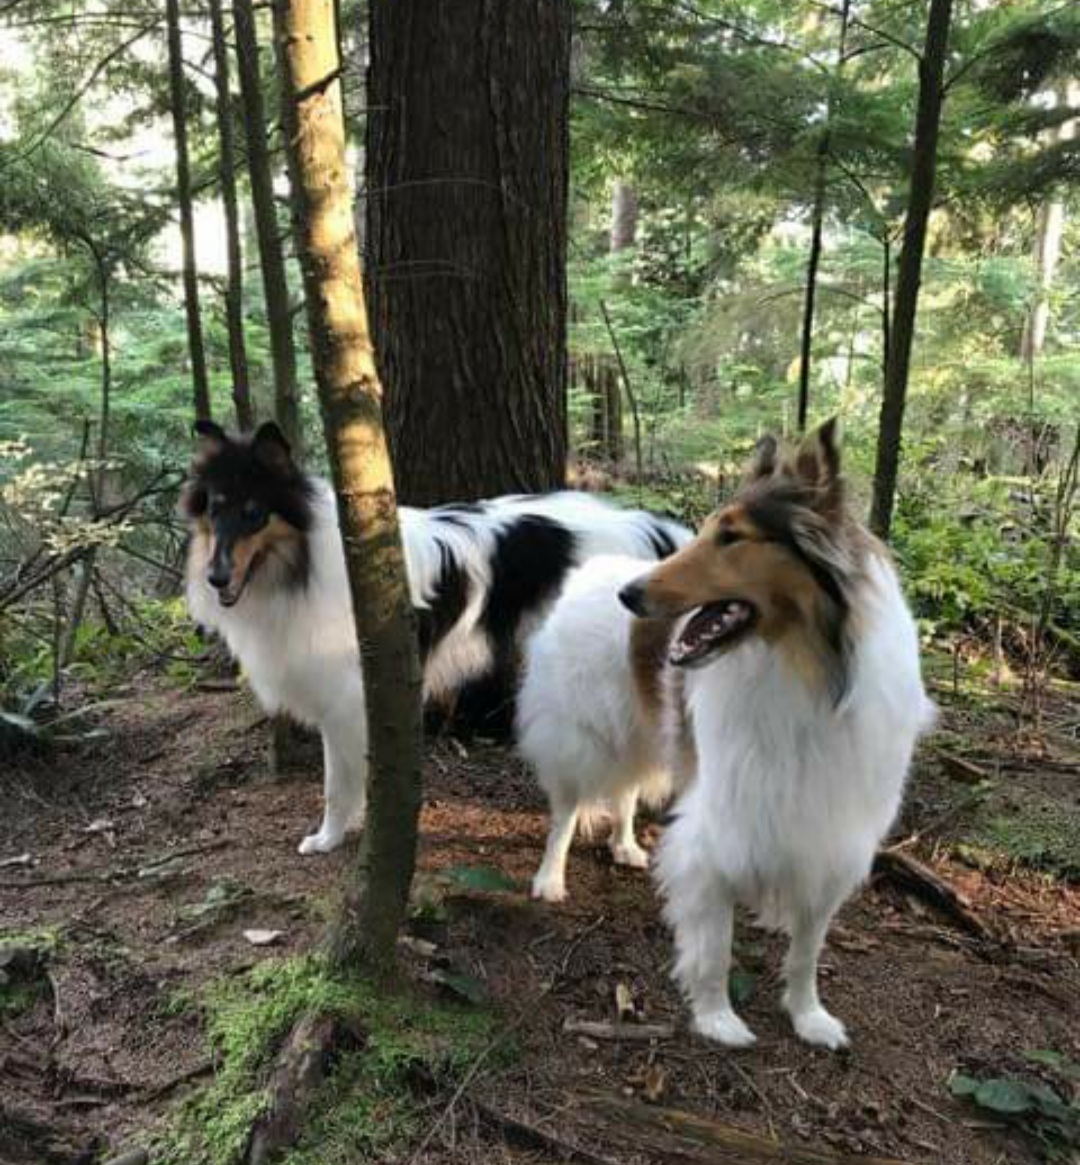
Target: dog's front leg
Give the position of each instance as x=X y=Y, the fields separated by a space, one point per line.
x=345 y=784
x=809 y=1018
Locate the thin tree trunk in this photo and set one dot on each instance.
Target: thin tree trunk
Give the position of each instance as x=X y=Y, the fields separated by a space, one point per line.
x=817 y=226
x=909 y=268
x=1049 y=231
x=467 y=170
x=234 y=289
x=351 y=398
x=196 y=350
x=279 y=315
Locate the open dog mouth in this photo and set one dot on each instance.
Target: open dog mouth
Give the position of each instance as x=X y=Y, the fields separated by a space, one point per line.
x=713 y=628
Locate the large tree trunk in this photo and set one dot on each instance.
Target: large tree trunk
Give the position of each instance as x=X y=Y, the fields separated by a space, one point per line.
x=909 y=267
x=196 y=350
x=817 y=227
x=466 y=217
x=279 y=316
x=351 y=400
x=1049 y=231
x=234 y=289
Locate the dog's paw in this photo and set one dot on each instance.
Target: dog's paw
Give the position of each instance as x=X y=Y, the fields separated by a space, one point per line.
x=725 y=1027
x=630 y=855
x=322 y=842
x=549 y=889
x=820 y=1028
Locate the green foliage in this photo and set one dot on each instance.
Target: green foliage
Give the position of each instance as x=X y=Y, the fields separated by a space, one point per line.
x=367 y=1110
x=1040 y=1110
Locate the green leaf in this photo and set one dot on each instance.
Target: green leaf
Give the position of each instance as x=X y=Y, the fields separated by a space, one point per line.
x=485 y=879
x=467 y=986
x=961 y=1085
x=1004 y=1095
x=741 y=984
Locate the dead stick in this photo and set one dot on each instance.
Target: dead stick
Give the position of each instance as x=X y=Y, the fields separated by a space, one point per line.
x=600 y=1030
x=920 y=880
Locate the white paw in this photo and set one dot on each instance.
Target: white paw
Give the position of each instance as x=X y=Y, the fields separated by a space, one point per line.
x=323 y=842
x=549 y=889
x=820 y=1028
x=725 y=1027
x=631 y=855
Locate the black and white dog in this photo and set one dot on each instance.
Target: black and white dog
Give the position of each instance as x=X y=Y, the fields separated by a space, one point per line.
x=266 y=569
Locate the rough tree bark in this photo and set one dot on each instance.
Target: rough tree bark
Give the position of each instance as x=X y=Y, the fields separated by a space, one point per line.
x=466 y=234
x=279 y=315
x=909 y=266
x=351 y=399
x=196 y=349
x=234 y=288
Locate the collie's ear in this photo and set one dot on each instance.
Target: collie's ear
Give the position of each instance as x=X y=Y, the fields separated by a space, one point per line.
x=212 y=437
x=271 y=448
x=817 y=462
x=763 y=462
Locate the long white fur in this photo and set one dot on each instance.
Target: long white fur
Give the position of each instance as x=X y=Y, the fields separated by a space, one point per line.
x=298 y=646
x=790 y=799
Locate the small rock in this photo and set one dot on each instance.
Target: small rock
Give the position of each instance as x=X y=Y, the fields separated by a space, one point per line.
x=263 y=938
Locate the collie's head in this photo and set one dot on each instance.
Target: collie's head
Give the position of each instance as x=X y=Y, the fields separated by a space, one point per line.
x=249 y=507
x=782 y=561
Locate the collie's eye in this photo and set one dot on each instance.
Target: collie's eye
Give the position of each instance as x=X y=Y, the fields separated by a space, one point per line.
x=253 y=511
x=728 y=537
x=216 y=504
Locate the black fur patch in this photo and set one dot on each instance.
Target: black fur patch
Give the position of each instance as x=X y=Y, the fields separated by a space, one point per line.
x=528 y=565
x=446 y=607
x=660 y=537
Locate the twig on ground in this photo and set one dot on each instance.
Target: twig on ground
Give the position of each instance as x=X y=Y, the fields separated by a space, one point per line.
x=602 y=1030
x=915 y=878
x=114 y=873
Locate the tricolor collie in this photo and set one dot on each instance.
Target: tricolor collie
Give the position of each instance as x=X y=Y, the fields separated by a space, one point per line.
x=773 y=669
x=265 y=569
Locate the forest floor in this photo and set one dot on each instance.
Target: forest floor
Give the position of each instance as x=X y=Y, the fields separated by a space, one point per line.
x=155 y=844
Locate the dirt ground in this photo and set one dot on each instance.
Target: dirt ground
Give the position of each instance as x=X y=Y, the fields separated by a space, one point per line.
x=154 y=846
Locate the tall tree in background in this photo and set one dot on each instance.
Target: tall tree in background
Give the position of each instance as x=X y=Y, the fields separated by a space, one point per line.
x=234 y=289
x=1049 y=232
x=351 y=399
x=196 y=349
x=279 y=314
x=466 y=237
x=817 y=224
x=909 y=268
x=284 y=738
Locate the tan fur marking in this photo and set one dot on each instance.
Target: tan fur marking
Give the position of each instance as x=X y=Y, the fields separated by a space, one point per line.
x=249 y=552
x=650 y=642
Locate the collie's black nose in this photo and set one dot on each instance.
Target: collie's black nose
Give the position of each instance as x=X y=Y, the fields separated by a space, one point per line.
x=218 y=577
x=632 y=597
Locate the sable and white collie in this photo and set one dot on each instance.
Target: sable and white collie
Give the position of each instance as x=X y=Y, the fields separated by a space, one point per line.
x=773 y=671
x=266 y=570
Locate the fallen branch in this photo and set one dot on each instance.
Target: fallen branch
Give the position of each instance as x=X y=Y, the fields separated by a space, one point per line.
x=527 y=1136
x=917 y=879
x=303 y=1064
x=602 y=1030
x=672 y=1135
x=203 y=1068
x=961 y=769
x=115 y=873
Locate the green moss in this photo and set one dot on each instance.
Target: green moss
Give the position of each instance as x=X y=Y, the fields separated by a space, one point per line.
x=20 y=992
x=366 y=1108
x=1046 y=837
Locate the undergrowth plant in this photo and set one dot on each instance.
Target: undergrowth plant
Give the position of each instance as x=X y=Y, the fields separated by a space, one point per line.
x=369 y=1106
